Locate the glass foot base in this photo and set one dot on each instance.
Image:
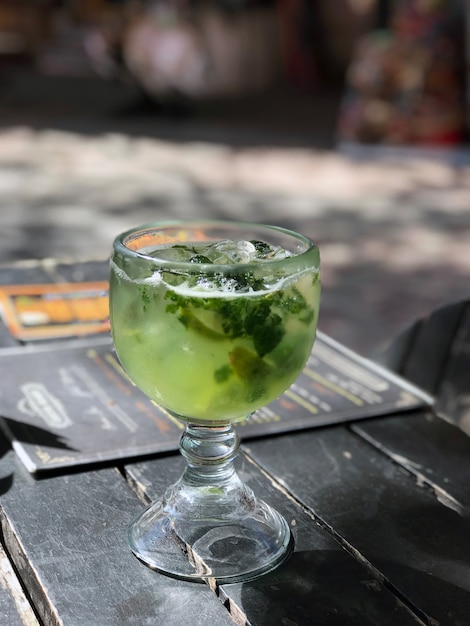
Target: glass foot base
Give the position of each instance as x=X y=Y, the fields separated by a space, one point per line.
x=210 y=525
x=191 y=542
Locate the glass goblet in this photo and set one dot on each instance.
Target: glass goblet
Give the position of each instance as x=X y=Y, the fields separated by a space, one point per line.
x=212 y=320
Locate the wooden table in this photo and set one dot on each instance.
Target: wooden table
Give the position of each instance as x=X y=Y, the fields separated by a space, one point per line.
x=379 y=510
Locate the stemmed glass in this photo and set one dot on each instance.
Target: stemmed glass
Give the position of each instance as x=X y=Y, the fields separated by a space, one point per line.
x=212 y=320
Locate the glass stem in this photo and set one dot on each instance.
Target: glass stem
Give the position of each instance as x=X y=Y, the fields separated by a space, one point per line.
x=209 y=454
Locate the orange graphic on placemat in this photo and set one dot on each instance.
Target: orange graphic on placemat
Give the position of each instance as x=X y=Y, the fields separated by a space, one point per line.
x=50 y=311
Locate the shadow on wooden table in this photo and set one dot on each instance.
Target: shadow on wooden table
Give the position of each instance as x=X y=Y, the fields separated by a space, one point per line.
x=323 y=579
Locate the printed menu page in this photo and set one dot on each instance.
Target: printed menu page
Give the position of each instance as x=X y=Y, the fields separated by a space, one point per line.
x=70 y=403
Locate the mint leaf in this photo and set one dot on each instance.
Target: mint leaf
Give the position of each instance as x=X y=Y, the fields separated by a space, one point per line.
x=250 y=317
x=146 y=296
x=223 y=373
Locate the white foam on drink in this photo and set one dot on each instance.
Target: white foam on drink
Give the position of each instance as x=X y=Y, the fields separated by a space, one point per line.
x=205 y=287
x=219 y=288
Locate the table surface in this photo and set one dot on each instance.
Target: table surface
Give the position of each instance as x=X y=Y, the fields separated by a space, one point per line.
x=379 y=510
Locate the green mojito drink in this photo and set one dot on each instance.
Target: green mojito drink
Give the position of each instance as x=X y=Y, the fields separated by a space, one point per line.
x=212 y=320
x=214 y=329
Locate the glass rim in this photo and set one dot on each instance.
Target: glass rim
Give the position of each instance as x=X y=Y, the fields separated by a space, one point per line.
x=119 y=244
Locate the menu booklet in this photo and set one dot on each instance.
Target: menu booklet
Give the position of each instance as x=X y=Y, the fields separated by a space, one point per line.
x=69 y=403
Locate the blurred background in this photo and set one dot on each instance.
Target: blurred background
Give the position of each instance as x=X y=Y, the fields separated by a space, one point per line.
x=345 y=119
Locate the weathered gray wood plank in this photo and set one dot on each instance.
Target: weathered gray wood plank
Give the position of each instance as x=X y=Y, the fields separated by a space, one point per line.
x=435 y=451
x=421 y=546
x=320 y=584
x=15 y=609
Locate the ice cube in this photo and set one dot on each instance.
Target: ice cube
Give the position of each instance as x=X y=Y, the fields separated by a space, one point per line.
x=229 y=252
x=280 y=253
x=175 y=252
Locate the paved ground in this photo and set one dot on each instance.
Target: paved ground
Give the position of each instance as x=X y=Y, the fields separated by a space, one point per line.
x=393 y=226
